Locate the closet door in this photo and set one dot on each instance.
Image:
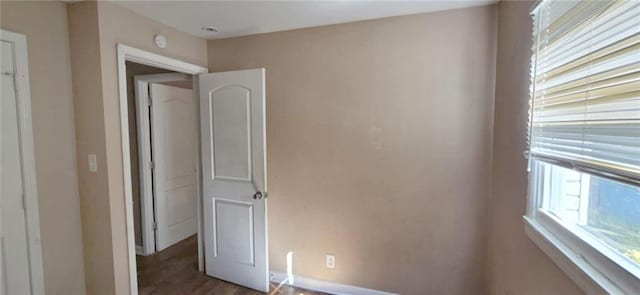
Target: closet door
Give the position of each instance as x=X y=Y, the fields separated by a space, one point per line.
x=14 y=253
x=20 y=249
x=174 y=158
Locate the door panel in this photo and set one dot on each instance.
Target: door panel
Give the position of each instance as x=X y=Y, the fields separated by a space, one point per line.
x=231 y=132
x=173 y=153
x=14 y=258
x=234 y=232
x=234 y=169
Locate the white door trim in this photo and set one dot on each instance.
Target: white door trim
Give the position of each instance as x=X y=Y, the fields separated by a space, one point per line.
x=127 y=53
x=23 y=103
x=141 y=84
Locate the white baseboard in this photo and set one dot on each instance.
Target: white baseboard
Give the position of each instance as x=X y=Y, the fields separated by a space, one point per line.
x=322 y=286
x=139 y=250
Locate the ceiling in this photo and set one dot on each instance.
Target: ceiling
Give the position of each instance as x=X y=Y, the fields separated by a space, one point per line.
x=241 y=18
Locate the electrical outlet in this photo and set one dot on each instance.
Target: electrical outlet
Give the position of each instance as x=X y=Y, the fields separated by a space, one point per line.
x=331 y=261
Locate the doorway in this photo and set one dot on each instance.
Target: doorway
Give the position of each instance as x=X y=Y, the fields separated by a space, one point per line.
x=163 y=149
x=231 y=215
x=143 y=62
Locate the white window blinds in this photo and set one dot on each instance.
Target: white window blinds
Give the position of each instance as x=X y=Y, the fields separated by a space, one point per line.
x=585 y=106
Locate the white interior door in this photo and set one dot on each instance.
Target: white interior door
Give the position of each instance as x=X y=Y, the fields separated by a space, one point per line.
x=174 y=163
x=13 y=236
x=232 y=112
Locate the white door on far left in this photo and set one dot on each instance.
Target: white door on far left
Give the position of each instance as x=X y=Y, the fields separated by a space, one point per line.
x=173 y=136
x=20 y=254
x=15 y=258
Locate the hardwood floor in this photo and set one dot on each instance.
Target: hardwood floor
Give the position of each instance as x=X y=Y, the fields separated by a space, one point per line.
x=175 y=271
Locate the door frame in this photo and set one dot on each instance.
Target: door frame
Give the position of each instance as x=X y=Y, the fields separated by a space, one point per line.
x=127 y=53
x=147 y=212
x=28 y=161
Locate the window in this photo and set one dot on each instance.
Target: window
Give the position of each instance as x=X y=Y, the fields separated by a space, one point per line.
x=584 y=137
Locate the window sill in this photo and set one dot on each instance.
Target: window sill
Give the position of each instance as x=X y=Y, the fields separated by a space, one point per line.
x=583 y=265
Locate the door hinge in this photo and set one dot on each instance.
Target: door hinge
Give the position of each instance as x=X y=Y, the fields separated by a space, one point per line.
x=149 y=101
x=155 y=226
x=151 y=165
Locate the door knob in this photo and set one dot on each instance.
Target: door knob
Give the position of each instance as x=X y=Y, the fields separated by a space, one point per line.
x=259 y=196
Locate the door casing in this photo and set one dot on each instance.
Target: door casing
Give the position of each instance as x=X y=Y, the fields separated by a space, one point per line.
x=126 y=53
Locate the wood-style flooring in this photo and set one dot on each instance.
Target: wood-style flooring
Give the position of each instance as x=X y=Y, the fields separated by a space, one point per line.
x=175 y=271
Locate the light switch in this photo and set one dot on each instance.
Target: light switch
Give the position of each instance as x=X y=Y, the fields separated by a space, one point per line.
x=93 y=163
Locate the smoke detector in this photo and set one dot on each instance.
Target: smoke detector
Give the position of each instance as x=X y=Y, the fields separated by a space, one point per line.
x=161 y=41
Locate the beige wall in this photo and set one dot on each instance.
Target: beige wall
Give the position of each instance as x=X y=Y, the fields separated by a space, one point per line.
x=360 y=164
x=105 y=228
x=516 y=265
x=379 y=143
x=45 y=25
x=89 y=122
